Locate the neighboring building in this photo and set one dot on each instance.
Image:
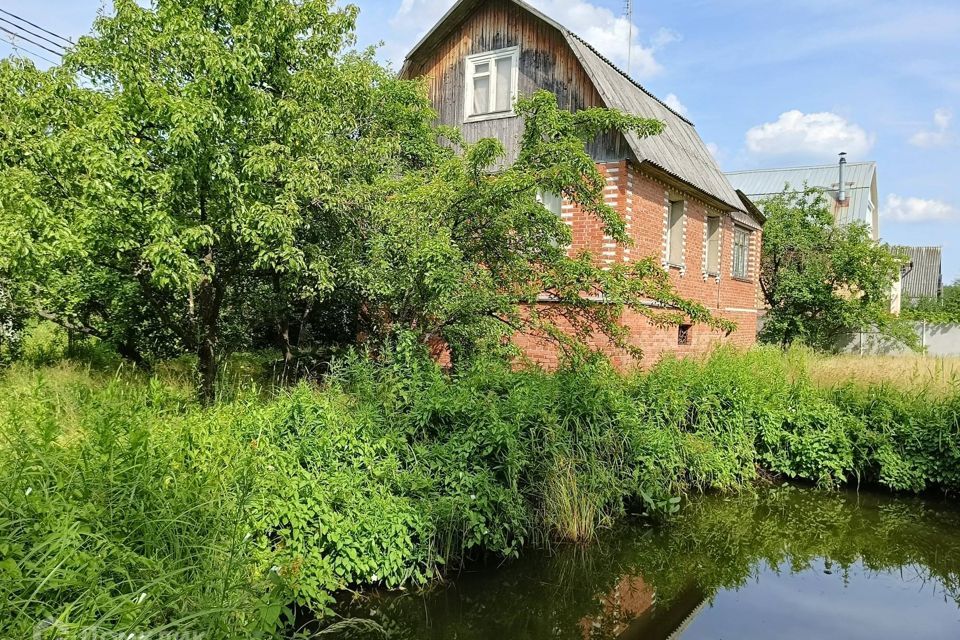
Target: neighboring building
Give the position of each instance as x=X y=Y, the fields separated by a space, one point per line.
x=676 y=202
x=922 y=276
x=857 y=202
x=850 y=189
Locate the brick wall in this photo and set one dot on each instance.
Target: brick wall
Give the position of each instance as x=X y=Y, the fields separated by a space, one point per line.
x=644 y=203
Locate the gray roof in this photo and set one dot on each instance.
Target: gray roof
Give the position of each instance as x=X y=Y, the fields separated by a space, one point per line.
x=678 y=151
x=860 y=179
x=923 y=277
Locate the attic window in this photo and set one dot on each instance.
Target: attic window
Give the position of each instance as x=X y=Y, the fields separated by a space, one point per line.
x=491 y=86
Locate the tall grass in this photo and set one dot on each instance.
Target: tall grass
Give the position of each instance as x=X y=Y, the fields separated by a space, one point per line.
x=126 y=506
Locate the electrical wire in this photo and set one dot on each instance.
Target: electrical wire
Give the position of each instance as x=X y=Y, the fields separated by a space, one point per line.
x=33 y=42
x=17 y=48
x=32 y=24
x=36 y=35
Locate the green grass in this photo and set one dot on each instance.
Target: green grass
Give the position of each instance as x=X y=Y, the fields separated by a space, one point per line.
x=126 y=505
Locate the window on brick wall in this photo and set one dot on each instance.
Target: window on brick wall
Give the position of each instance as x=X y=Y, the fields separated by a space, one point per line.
x=551 y=201
x=741 y=252
x=491 y=84
x=684 y=334
x=713 y=245
x=675 y=234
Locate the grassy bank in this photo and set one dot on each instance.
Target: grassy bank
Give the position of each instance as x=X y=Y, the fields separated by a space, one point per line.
x=125 y=505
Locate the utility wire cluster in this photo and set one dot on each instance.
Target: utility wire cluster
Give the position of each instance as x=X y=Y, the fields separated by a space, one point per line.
x=16 y=31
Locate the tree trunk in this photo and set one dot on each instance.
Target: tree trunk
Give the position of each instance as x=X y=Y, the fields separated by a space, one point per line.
x=209 y=297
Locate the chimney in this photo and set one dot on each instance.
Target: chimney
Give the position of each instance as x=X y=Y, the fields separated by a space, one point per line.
x=842 y=189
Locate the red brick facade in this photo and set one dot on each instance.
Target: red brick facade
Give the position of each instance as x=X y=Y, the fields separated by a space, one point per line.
x=644 y=203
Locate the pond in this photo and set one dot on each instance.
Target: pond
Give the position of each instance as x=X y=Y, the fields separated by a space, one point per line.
x=786 y=563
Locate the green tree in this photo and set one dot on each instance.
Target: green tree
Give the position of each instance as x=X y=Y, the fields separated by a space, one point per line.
x=821 y=279
x=461 y=252
x=201 y=176
x=190 y=157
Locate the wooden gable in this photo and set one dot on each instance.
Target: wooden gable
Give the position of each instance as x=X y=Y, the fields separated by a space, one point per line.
x=546 y=62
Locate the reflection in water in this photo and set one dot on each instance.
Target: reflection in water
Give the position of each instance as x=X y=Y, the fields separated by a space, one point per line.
x=789 y=563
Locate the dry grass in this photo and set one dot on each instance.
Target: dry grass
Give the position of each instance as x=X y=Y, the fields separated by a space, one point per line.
x=935 y=374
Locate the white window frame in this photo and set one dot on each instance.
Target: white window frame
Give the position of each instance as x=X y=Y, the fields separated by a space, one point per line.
x=682 y=205
x=490 y=57
x=748 y=234
x=712 y=269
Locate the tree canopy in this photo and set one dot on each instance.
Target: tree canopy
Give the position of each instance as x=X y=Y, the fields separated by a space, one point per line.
x=821 y=279
x=201 y=176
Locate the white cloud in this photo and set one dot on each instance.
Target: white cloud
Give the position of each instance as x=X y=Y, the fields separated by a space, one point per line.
x=608 y=32
x=902 y=209
x=818 y=135
x=940 y=136
x=674 y=103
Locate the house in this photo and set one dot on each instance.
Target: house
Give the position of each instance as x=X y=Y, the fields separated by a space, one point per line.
x=857 y=201
x=922 y=275
x=850 y=190
x=677 y=204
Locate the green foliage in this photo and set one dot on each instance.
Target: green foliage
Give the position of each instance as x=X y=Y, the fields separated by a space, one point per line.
x=208 y=176
x=240 y=515
x=944 y=310
x=823 y=280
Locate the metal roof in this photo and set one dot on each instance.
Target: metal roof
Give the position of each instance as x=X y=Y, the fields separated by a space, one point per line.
x=860 y=179
x=678 y=151
x=923 y=278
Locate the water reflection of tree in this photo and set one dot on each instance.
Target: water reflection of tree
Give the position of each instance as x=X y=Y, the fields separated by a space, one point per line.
x=716 y=542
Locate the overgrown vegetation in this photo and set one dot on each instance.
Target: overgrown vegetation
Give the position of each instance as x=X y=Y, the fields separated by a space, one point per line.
x=126 y=504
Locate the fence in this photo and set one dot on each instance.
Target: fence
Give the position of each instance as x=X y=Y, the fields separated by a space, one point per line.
x=937 y=339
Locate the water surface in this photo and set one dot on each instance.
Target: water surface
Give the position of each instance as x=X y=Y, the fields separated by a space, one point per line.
x=789 y=563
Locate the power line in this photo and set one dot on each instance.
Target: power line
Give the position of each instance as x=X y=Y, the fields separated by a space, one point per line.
x=32 y=24
x=33 y=42
x=37 y=35
x=16 y=47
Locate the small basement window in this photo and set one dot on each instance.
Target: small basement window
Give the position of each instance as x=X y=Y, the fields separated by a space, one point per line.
x=685 y=334
x=491 y=84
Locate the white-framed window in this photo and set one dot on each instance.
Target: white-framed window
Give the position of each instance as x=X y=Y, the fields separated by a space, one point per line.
x=491 y=84
x=675 y=233
x=551 y=201
x=712 y=262
x=741 y=253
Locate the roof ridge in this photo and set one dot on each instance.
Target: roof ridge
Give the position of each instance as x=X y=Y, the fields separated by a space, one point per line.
x=798 y=168
x=625 y=75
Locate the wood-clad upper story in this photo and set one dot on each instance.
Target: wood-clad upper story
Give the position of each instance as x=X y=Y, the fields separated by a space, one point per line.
x=545 y=62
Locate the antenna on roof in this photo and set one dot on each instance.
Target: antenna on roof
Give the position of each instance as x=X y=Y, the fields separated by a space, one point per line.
x=629 y=12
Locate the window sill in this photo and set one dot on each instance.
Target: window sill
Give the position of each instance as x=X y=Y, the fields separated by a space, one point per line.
x=496 y=115
x=711 y=274
x=742 y=279
x=674 y=265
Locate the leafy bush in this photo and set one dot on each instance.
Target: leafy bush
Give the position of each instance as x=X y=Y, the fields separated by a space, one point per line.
x=126 y=505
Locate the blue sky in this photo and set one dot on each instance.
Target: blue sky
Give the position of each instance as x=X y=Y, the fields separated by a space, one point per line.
x=768 y=84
